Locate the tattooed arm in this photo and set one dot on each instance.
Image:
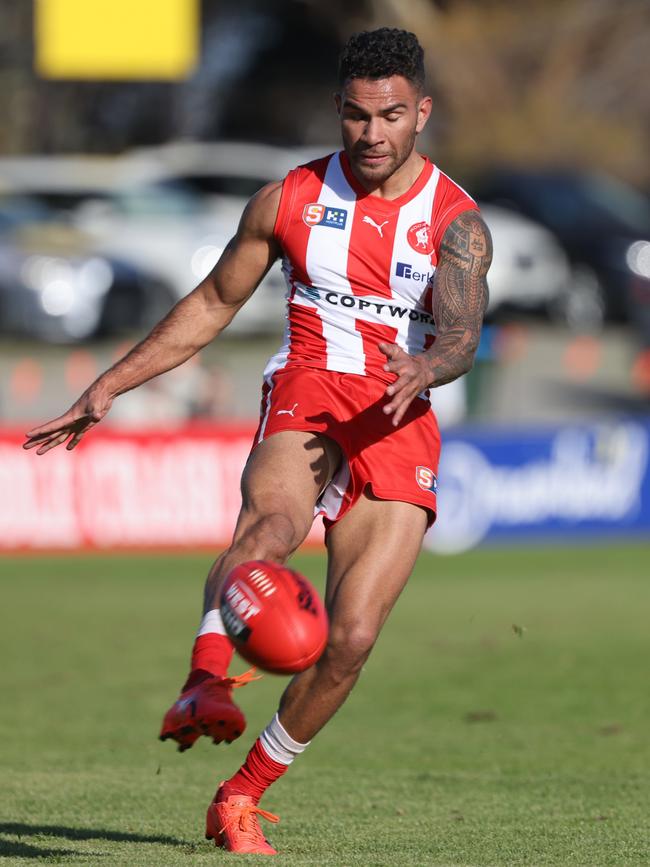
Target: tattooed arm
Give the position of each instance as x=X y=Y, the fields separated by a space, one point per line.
x=460 y=295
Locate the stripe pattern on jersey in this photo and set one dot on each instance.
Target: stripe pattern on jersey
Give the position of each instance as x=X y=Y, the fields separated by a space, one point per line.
x=354 y=279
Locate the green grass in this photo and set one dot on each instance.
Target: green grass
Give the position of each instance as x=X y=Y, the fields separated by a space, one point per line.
x=466 y=741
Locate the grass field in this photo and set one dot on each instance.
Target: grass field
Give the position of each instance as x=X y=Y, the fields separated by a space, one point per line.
x=502 y=719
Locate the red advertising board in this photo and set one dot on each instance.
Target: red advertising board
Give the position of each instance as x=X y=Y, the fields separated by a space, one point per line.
x=146 y=489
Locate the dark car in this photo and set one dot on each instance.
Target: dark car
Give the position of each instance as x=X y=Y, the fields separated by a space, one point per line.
x=604 y=227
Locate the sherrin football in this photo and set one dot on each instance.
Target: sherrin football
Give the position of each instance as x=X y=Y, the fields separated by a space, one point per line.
x=274 y=617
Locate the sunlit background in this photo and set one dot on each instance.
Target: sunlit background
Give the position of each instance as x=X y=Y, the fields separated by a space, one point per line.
x=503 y=716
x=133 y=134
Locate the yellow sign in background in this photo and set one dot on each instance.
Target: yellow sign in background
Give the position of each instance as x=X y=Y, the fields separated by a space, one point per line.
x=116 y=39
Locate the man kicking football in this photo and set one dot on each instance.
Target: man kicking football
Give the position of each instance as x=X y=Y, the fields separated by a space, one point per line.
x=385 y=260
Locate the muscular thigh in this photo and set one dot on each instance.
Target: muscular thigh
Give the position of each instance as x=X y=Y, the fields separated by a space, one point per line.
x=372 y=551
x=284 y=475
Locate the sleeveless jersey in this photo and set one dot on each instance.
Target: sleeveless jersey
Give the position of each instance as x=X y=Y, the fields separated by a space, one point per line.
x=358 y=267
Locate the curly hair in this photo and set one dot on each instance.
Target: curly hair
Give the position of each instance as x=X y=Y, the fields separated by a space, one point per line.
x=382 y=53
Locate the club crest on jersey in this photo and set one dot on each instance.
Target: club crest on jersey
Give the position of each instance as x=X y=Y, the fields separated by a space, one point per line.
x=426 y=479
x=419 y=237
x=316 y=214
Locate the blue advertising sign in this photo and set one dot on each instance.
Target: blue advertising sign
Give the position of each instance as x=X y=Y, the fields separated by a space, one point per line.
x=539 y=484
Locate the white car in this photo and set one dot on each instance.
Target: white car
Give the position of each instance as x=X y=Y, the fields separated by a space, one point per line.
x=529 y=271
x=172 y=209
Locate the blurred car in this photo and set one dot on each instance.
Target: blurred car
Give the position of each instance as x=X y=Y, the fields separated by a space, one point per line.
x=55 y=287
x=134 y=208
x=172 y=209
x=529 y=270
x=604 y=227
x=168 y=230
x=228 y=169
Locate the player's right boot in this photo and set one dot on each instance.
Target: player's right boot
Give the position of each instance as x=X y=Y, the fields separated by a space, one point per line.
x=206 y=709
x=233 y=823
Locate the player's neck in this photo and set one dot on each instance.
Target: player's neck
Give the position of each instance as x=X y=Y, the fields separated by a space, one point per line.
x=400 y=181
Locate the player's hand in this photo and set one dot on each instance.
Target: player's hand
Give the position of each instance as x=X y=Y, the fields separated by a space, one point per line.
x=413 y=376
x=90 y=409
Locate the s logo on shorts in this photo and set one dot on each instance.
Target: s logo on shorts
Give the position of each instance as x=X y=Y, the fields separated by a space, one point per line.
x=426 y=479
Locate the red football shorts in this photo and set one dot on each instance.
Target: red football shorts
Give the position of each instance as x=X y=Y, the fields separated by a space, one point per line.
x=396 y=463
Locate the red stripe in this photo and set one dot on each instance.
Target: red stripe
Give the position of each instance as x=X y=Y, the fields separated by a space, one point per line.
x=369 y=254
x=264 y=407
x=372 y=334
x=449 y=201
x=306 y=189
x=306 y=341
x=429 y=340
x=428 y=297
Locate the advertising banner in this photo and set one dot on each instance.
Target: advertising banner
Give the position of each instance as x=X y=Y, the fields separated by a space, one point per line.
x=180 y=488
x=569 y=482
x=157 y=489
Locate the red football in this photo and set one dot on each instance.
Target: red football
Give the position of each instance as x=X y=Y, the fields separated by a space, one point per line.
x=274 y=617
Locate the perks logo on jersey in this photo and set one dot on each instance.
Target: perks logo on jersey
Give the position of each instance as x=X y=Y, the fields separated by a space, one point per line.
x=403 y=269
x=419 y=237
x=316 y=214
x=426 y=479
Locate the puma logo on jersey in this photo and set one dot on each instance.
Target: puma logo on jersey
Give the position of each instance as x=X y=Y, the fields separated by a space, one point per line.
x=288 y=411
x=372 y=223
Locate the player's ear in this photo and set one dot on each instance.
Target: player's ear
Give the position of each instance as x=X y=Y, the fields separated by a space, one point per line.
x=424 y=112
x=337 y=103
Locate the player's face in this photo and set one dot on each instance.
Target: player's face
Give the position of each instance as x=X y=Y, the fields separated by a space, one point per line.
x=380 y=119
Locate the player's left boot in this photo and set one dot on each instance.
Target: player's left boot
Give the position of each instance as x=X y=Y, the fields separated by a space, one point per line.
x=206 y=709
x=233 y=823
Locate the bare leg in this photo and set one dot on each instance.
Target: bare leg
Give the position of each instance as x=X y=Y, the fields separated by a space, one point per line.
x=372 y=552
x=280 y=485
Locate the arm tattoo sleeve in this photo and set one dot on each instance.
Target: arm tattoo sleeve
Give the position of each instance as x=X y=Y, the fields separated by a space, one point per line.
x=460 y=296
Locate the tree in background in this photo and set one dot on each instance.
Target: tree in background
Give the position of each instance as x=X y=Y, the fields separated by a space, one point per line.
x=545 y=82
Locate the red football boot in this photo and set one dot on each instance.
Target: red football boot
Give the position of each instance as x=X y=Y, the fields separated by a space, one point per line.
x=206 y=709
x=233 y=823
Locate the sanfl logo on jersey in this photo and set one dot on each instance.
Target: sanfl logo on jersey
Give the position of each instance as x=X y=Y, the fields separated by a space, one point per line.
x=317 y=214
x=419 y=237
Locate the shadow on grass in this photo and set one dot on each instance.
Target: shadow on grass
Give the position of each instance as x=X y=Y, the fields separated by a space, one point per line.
x=24 y=850
x=10 y=849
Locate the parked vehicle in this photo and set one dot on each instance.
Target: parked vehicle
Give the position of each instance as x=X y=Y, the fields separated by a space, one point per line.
x=529 y=271
x=604 y=227
x=170 y=211
x=55 y=287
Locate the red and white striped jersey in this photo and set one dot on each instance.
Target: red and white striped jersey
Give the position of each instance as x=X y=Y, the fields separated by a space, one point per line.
x=358 y=267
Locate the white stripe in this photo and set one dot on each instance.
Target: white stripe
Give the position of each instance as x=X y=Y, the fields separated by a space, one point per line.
x=278 y=743
x=330 y=501
x=371 y=308
x=267 y=413
x=408 y=290
x=279 y=360
x=212 y=623
x=327 y=266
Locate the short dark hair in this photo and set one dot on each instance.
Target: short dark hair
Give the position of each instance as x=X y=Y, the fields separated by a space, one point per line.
x=382 y=53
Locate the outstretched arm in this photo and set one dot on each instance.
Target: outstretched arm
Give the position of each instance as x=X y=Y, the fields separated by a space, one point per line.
x=460 y=296
x=188 y=327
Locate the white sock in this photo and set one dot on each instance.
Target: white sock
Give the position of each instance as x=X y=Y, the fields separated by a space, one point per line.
x=212 y=622
x=279 y=745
